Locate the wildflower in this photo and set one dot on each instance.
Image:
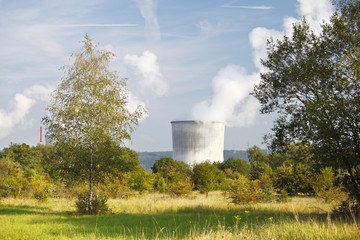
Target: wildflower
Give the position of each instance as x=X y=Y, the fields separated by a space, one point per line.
x=270 y=218
x=237 y=217
x=246 y=211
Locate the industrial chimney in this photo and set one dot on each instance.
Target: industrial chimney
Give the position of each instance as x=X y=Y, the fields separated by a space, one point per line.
x=41 y=134
x=196 y=141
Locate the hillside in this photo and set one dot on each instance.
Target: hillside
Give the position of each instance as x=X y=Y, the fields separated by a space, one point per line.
x=148 y=158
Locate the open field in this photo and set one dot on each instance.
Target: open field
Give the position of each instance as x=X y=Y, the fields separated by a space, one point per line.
x=157 y=216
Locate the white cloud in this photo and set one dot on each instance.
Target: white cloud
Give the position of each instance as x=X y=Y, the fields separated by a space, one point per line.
x=134 y=103
x=39 y=92
x=148 y=11
x=20 y=107
x=315 y=11
x=147 y=66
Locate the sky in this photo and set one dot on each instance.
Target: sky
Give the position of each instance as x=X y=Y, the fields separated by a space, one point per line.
x=184 y=60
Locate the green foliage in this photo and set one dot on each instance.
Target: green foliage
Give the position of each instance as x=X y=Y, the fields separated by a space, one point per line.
x=236 y=165
x=207 y=177
x=41 y=185
x=116 y=187
x=172 y=176
x=99 y=204
x=27 y=157
x=266 y=184
x=244 y=191
x=325 y=189
x=312 y=82
x=296 y=174
x=260 y=163
x=180 y=188
x=159 y=183
x=284 y=196
x=140 y=179
x=163 y=165
x=5 y=165
x=16 y=180
x=50 y=161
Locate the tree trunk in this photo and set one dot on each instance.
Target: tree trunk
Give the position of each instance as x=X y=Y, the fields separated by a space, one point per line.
x=329 y=215
x=90 y=206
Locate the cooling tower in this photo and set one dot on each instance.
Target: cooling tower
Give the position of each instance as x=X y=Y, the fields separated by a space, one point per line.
x=196 y=141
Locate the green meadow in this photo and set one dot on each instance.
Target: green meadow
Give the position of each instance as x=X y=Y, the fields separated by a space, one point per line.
x=160 y=216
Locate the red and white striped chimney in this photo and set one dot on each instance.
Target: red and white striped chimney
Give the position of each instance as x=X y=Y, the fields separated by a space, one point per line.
x=40 y=134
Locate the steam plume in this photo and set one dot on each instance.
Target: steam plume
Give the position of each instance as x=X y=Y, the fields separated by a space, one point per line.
x=231 y=86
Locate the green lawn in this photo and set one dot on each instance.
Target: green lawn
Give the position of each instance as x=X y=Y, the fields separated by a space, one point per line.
x=155 y=216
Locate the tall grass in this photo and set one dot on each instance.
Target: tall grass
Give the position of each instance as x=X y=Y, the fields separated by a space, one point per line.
x=159 y=216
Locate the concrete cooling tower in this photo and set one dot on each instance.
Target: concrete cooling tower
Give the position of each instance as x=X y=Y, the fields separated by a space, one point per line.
x=197 y=142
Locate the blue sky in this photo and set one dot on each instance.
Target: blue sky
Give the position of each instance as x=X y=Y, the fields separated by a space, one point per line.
x=184 y=60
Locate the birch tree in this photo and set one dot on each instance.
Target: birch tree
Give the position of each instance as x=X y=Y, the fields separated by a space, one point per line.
x=88 y=114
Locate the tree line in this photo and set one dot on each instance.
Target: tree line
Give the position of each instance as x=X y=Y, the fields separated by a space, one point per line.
x=39 y=172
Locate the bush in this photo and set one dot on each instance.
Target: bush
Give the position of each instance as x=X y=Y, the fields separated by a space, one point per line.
x=207 y=177
x=99 y=204
x=284 y=196
x=180 y=188
x=140 y=179
x=245 y=191
x=41 y=195
x=116 y=188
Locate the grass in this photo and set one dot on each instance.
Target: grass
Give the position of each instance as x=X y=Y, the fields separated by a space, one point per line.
x=158 y=216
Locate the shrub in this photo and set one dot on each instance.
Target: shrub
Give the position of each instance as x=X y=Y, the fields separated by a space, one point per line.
x=41 y=195
x=40 y=185
x=5 y=164
x=284 y=196
x=244 y=191
x=99 y=204
x=116 y=188
x=180 y=188
x=140 y=179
